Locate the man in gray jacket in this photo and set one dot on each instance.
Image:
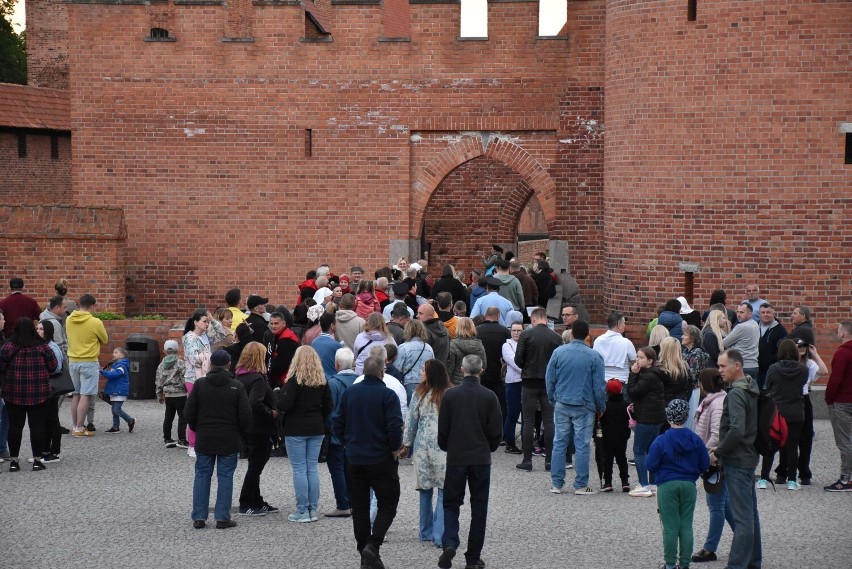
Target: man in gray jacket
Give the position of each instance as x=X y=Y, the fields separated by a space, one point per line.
x=745 y=338
x=736 y=453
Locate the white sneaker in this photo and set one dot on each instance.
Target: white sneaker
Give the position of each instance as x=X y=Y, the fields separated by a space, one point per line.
x=641 y=491
x=793 y=485
x=555 y=490
x=587 y=491
x=653 y=489
x=191 y=451
x=761 y=484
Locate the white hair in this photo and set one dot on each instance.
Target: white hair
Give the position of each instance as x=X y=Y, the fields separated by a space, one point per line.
x=345 y=358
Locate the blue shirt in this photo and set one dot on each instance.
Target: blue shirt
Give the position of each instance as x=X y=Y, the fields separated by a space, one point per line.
x=493 y=298
x=326 y=347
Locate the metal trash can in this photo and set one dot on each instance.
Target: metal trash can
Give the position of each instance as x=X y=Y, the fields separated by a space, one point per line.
x=144 y=355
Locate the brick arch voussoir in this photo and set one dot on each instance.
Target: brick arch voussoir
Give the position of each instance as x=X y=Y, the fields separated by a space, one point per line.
x=535 y=176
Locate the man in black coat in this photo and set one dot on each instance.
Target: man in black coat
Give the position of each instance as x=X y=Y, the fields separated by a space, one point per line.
x=493 y=335
x=257 y=307
x=469 y=430
x=535 y=346
x=218 y=411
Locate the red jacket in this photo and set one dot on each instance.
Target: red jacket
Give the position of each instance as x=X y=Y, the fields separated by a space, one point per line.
x=839 y=388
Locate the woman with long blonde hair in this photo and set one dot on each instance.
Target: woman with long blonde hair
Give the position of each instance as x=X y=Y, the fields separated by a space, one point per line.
x=679 y=384
x=714 y=331
x=251 y=372
x=306 y=403
x=658 y=332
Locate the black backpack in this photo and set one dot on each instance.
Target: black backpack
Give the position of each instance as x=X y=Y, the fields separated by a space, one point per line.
x=771 y=426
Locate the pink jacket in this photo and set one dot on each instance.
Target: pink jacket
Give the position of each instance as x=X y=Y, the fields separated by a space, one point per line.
x=708 y=417
x=366 y=304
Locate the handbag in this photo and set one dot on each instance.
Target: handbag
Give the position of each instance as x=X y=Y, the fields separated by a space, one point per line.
x=61 y=384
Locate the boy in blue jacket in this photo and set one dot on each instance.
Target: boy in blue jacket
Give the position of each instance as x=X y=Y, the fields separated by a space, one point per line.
x=678 y=457
x=117 y=388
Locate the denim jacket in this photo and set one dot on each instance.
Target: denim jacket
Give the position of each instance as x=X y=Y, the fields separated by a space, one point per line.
x=575 y=376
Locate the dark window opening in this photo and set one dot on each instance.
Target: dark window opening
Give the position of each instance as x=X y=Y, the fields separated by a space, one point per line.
x=159 y=33
x=691 y=10
x=22 y=146
x=54 y=147
x=309 y=143
x=689 y=287
x=848 y=148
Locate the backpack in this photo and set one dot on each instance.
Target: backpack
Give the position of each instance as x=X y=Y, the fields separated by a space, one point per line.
x=771 y=426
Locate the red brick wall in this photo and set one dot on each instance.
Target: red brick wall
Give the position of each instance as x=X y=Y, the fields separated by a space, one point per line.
x=37 y=178
x=723 y=148
x=207 y=145
x=83 y=245
x=47 y=44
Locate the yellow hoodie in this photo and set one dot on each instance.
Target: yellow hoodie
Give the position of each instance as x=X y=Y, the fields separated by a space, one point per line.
x=239 y=317
x=86 y=335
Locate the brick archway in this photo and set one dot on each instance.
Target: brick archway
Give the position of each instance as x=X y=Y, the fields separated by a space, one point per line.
x=535 y=176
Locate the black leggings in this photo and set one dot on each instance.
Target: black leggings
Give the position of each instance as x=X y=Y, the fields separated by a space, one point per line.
x=35 y=416
x=790 y=452
x=53 y=434
x=174 y=405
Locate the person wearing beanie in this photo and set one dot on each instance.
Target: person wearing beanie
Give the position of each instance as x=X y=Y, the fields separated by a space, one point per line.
x=218 y=410
x=616 y=432
x=171 y=392
x=678 y=457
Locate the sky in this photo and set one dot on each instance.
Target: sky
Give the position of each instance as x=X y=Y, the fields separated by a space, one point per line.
x=474 y=22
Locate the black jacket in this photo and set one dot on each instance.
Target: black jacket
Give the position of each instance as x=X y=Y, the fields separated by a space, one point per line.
x=280 y=350
x=258 y=326
x=305 y=408
x=805 y=331
x=218 y=411
x=614 y=420
x=470 y=425
x=451 y=285
x=439 y=339
x=676 y=386
x=493 y=336
x=535 y=346
x=397 y=331
x=785 y=381
x=647 y=394
x=767 y=346
x=261 y=401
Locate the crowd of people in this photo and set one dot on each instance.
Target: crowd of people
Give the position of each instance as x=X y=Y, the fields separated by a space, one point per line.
x=363 y=373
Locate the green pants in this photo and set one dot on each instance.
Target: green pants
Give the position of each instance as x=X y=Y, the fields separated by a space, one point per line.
x=676 y=504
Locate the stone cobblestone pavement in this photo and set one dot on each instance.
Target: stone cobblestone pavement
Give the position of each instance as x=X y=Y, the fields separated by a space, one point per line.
x=124 y=501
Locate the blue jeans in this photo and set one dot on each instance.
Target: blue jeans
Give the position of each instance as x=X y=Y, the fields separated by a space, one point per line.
x=118 y=413
x=571 y=422
x=431 y=519
x=409 y=391
x=226 y=464
x=336 y=463
x=513 y=411
x=742 y=496
x=643 y=435
x=304 y=454
x=4 y=426
x=720 y=510
x=478 y=479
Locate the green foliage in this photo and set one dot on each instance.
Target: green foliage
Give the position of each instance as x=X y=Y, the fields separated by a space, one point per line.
x=13 y=48
x=149 y=317
x=109 y=316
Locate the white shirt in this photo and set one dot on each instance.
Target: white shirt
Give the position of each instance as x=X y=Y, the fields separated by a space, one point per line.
x=394 y=385
x=513 y=372
x=617 y=352
x=813 y=369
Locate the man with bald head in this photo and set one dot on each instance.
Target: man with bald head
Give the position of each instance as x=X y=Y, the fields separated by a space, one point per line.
x=439 y=337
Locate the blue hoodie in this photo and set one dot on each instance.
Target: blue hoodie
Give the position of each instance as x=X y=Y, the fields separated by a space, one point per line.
x=118 y=378
x=677 y=454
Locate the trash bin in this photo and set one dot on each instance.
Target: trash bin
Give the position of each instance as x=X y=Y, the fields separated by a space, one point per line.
x=144 y=355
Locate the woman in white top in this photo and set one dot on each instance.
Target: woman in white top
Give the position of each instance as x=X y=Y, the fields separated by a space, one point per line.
x=196 y=352
x=513 y=389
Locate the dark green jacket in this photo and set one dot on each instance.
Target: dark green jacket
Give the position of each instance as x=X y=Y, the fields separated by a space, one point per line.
x=738 y=427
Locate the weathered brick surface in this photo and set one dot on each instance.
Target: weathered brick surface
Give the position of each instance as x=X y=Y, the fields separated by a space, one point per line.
x=36 y=178
x=85 y=246
x=723 y=148
x=47 y=44
x=722 y=144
